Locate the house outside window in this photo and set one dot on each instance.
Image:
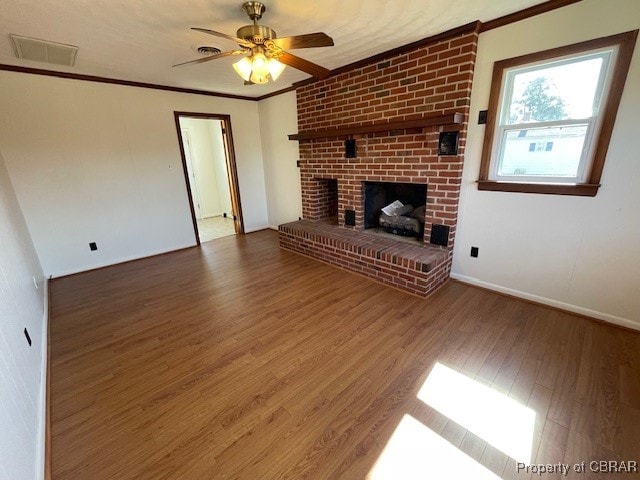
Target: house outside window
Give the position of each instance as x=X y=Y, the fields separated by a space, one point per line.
x=551 y=115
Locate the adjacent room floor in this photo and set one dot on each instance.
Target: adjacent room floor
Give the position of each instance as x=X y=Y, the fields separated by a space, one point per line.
x=215 y=227
x=239 y=360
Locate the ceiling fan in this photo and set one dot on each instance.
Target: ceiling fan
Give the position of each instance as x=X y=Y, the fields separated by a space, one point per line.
x=266 y=55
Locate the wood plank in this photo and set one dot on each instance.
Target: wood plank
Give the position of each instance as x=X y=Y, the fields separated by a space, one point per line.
x=426 y=121
x=564 y=388
x=553 y=443
x=240 y=360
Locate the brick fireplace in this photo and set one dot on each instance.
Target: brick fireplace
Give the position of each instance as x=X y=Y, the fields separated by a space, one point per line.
x=416 y=93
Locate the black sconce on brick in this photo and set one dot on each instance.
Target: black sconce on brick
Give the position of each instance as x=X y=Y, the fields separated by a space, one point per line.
x=350 y=148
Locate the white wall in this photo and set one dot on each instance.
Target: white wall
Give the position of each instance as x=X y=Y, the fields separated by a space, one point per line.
x=579 y=253
x=204 y=163
x=97 y=162
x=21 y=367
x=278 y=118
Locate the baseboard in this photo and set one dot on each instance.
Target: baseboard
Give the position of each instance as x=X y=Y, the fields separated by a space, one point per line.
x=44 y=423
x=273 y=227
x=256 y=229
x=68 y=273
x=585 y=312
x=214 y=215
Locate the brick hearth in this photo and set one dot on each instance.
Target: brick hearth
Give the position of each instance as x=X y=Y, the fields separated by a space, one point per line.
x=414 y=267
x=434 y=79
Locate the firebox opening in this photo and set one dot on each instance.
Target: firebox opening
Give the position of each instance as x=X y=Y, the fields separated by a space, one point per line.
x=328 y=200
x=405 y=217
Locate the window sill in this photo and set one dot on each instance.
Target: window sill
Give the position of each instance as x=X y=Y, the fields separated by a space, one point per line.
x=582 y=189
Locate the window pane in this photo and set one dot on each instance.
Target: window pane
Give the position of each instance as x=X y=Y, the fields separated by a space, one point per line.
x=543 y=152
x=565 y=90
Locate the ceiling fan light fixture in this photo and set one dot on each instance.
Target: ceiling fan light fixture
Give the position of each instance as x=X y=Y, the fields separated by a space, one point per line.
x=260 y=65
x=258 y=78
x=275 y=68
x=243 y=68
x=258 y=68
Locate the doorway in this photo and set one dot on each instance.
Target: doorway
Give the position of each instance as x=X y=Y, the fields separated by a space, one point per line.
x=208 y=161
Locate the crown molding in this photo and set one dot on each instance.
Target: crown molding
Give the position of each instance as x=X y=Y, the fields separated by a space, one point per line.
x=526 y=13
x=117 y=81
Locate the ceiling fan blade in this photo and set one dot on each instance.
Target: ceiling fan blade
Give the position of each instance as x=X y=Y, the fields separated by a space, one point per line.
x=309 y=40
x=210 y=57
x=239 y=41
x=304 y=65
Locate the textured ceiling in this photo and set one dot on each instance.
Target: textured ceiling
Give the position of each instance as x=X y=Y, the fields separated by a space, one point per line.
x=139 y=40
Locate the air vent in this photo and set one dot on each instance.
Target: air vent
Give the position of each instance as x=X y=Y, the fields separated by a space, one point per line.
x=207 y=50
x=43 y=51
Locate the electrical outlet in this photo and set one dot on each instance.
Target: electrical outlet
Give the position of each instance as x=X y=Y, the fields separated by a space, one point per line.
x=93 y=246
x=482 y=117
x=474 y=252
x=26 y=334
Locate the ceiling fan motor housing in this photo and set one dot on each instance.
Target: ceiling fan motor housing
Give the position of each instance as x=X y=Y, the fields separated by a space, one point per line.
x=256 y=33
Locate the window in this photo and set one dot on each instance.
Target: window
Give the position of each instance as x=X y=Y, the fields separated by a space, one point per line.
x=551 y=115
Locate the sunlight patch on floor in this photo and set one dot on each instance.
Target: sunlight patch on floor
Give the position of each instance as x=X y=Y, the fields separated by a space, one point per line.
x=414 y=451
x=492 y=416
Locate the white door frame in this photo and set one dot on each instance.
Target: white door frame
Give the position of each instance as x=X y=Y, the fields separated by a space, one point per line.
x=193 y=178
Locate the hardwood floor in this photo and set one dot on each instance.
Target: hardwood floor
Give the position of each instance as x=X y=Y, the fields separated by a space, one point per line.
x=240 y=360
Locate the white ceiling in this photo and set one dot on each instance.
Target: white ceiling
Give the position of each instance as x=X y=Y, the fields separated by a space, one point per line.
x=139 y=40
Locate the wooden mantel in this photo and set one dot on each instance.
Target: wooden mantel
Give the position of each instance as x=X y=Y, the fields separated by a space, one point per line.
x=426 y=121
